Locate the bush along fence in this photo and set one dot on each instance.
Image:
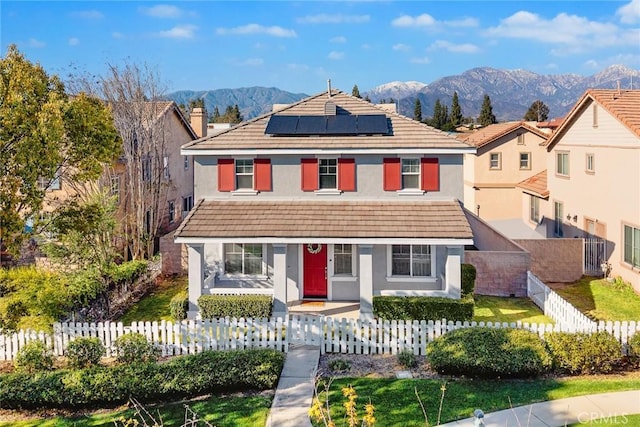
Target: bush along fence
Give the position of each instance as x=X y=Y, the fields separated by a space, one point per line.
x=330 y=334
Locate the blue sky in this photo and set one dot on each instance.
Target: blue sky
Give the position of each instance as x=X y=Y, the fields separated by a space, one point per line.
x=297 y=46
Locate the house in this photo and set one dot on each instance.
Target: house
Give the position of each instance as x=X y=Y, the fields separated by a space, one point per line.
x=331 y=198
x=591 y=186
x=506 y=154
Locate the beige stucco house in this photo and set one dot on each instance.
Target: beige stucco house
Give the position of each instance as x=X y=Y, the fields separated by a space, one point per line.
x=592 y=187
x=506 y=154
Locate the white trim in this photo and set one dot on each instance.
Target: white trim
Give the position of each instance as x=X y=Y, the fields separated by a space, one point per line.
x=317 y=152
x=327 y=240
x=410 y=192
x=244 y=192
x=412 y=279
x=424 y=279
x=328 y=192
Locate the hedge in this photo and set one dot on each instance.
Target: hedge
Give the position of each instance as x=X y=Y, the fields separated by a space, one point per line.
x=246 y=306
x=583 y=353
x=179 y=378
x=468 y=279
x=423 y=308
x=489 y=353
x=179 y=306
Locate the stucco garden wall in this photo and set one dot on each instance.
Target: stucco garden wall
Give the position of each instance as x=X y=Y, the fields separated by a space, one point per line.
x=555 y=260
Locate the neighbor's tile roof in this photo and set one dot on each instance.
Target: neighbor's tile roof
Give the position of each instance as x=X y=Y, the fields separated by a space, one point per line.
x=624 y=105
x=488 y=134
x=536 y=184
x=340 y=219
x=405 y=132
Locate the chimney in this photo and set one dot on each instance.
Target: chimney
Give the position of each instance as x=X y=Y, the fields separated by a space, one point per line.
x=329 y=88
x=199 y=121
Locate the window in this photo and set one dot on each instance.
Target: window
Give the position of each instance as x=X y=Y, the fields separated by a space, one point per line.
x=165 y=167
x=187 y=204
x=328 y=173
x=525 y=160
x=147 y=222
x=521 y=139
x=244 y=174
x=186 y=163
x=411 y=260
x=534 y=208
x=243 y=258
x=557 y=218
x=562 y=163
x=115 y=188
x=46 y=184
x=172 y=211
x=411 y=173
x=495 y=161
x=342 y=260
x=632 y=246
x=590 y=166
x=595 y=116
x=146 y=169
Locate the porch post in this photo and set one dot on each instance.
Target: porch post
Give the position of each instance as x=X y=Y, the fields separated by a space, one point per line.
x=366 y=281
x=196 y=277
x=279 y=280
x=452 y=274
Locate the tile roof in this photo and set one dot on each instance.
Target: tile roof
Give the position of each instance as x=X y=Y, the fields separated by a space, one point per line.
x=488 y=134
x=326 y=219
x=405 y=132
x=536 y=184
x=624 y=105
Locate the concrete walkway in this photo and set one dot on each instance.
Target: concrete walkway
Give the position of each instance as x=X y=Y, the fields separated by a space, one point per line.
x=290 y=407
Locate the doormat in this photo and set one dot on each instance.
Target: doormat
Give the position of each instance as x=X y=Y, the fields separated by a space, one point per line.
x=313 y=303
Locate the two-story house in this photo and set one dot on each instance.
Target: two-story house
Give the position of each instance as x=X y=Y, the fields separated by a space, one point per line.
x=331 y=198
x=591 y=188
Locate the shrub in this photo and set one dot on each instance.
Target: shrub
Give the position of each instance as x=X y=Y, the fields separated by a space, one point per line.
x=407 y=359
x=127 y=272
x=468 y=279
x=179 y=305
x=339 y=365
x=423 y=308
x=246 y=306
x=33 y=357
x=583 y=353
x=134 y=348
x=634 y=346
x=84 y=352
x=489 y=352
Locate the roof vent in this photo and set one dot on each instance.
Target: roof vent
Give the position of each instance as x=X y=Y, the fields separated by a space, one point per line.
x=329 y=108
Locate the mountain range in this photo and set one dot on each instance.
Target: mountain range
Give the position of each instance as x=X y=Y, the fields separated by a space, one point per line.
x=511 y=92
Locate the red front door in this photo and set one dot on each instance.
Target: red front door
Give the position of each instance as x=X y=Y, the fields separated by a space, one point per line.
x=314 y=262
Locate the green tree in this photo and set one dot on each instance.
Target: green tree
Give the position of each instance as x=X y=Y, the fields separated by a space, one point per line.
x=355 y=91
x=417 y=111
x=455 y=116
x=215 y=116
x=486 y=112
x=538 y=112
x=45 y=135
x=440 y=115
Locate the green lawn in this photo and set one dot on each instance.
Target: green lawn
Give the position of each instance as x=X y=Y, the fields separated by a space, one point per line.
x=601 y=299
x=232 y=411
x=396 y=403
x=501 y=309
x=155 y=306
x=614 y=419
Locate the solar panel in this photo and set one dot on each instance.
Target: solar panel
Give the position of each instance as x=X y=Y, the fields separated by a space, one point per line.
x=341 y=125
x=312 y=125
x=282 y=125
x=371 y=124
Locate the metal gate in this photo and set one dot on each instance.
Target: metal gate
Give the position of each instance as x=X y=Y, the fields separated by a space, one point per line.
x=594 y=255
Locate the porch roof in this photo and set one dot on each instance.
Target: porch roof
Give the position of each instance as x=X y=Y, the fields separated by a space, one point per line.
x=289 y=220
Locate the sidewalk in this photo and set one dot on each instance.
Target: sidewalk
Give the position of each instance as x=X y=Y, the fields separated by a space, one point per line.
x=610 y=408
x=291 y=403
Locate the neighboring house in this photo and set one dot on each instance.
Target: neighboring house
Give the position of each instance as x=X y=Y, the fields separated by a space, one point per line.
x=506 y=154
x=593 y=182
x=330 y=198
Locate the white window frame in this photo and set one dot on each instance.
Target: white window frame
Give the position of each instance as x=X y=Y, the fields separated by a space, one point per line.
x=186 y=163
x=534 y=208
x=263 y=267
x=172 y=211
x=589 y=160
x=320 y=160
x=634 y=244
x=527 y=166
x=562 y=169
x=497 y=161
x=165 y=167
x=188 y=205
x=413 y=173
x=410 y=278
x=520 y=138
x=332 y=257
x=558 y=218
x=236 y=174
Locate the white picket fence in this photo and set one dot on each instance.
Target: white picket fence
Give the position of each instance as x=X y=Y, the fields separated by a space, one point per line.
x=332 y=335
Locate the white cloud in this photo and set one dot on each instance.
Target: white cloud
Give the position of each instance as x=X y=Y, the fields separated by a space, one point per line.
x=464 y=22
x=593 y=64
x=179 y=32
x=573 y=33
x=366 y=46
x=629 y=13
x=74 y=41
x=162 y=11
x=338 y=18
x=249 y=29
x=455 y=48
x=335 y=55
x=249 y=62
x=36 y=43
x=117 y=35
x=424 y=20
x=338 y=39
x=87 y=14
x=423 y=60
x=298 y=67
x=401 y=47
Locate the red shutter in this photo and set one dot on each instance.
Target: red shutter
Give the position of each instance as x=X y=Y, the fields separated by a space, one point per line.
x=309 y=173
x=430 y=174
x=226 y=175
x=347 y=174
x=391 y=174
x=262 y=174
